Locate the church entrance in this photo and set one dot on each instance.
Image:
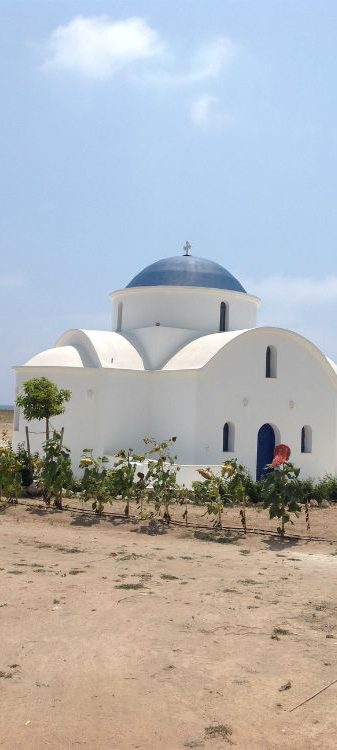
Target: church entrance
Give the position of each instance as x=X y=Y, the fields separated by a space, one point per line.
x=265 y=448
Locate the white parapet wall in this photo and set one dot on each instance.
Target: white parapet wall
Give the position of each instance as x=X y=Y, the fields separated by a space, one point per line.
x=186 y=473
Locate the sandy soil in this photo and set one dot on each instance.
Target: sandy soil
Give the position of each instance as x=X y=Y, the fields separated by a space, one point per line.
x=185 y=660
x=6 y=425
x=323 y=522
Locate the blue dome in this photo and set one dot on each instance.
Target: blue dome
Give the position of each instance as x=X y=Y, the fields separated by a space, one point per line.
x=186 y=270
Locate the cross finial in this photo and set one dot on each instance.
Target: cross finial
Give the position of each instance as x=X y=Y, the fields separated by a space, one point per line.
x=187 y=248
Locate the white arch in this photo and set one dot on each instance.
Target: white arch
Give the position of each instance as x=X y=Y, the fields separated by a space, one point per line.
x=103 y=349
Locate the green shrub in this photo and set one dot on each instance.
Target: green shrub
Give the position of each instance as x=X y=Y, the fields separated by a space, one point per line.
x=10 y=473
x=326 y=489
x=200 y=492
x=254 y=490
x=30 y=465
x=307 y=490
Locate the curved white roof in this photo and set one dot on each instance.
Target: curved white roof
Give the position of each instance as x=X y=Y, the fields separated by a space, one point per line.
x=197 y=353
x=59 y=356
x=332 y=364
x=103 y=349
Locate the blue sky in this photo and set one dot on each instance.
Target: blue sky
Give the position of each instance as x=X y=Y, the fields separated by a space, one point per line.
x=129 y=127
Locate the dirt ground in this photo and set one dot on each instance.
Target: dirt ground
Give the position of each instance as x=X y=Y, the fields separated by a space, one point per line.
x=6 y=425
x=112 y=639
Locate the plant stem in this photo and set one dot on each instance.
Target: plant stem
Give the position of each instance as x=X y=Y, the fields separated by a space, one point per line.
x=307 y=516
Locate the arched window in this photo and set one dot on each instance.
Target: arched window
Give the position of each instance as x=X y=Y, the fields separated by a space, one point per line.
x=306 y=439
x=119 y=316
x=271 y=362
x=223 y=317
x=228 y=437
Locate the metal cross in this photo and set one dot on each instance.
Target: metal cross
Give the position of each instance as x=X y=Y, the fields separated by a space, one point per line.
x=187 y=248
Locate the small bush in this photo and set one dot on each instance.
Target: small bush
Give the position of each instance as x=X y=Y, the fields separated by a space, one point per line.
x=10 y=473
x=326 y=489
x=200 y=493
x=307 y=490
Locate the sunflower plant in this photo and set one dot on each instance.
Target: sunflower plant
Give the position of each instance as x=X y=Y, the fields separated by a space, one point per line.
x=162 y=473
x=281 y=490
x=56 y=473
x=93 y=485
x=216 y=493
x=236 y=476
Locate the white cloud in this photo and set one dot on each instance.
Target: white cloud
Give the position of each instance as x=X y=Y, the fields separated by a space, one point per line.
x=207 y=113
x=98 y=47
x=296 y=291
x=10 y=280
x=210 y=59
x=305 y=305
x=206 y=63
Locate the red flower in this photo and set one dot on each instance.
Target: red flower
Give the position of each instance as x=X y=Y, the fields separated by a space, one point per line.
x=281 y=454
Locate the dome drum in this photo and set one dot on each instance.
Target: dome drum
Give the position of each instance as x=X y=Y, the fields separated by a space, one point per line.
x=193 y=308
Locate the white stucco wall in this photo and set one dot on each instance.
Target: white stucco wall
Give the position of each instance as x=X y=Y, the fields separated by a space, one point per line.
x=233 y=388
x=82 y=417
x=157 y=344
x=113 y=408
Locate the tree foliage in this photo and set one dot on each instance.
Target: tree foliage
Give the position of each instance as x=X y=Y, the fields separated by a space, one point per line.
x=42 y=399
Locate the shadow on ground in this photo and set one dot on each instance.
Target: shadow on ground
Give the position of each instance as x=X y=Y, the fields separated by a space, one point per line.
x=277 y=545
x=38 y=510
x=86 y=519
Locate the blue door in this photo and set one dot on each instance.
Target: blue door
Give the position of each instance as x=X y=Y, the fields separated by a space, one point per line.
x=265 y=448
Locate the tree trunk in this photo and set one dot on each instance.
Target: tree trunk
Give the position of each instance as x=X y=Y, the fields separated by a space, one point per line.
x=30 y=465
x=47 y=429
x=28 y=443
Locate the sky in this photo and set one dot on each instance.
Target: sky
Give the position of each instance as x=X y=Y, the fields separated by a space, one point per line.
x=128 y=128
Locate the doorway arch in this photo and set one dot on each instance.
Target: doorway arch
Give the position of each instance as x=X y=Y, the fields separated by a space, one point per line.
x=266 y=441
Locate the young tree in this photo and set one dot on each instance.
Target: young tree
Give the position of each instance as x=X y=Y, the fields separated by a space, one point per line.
x=42 y=399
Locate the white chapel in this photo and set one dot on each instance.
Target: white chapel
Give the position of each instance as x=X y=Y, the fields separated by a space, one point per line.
x=185 y=357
